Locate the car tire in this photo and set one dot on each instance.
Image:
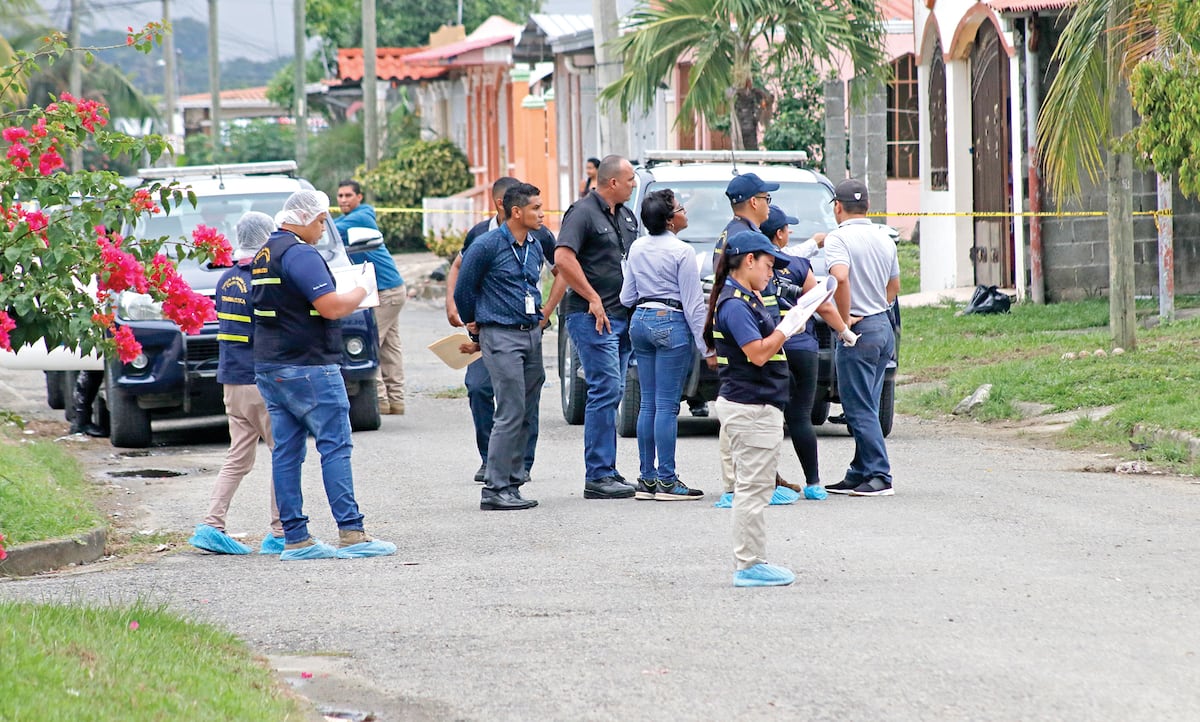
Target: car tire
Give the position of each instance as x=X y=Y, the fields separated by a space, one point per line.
x=129 y=424
x=820 y=412
x=887 y=406
x=627 y=412
x=56 y=398
x=573 y=389
x=364 y=408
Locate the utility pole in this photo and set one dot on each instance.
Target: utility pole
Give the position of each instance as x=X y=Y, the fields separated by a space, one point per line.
x=370 y=87
x=614 y=138
x=300 y=80
x=169 y=88
x=1120 y=203
x=75 y=79
x=214 y=79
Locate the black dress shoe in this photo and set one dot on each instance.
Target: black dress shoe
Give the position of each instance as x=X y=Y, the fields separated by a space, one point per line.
x=505 y=501
x=607 y=487
x=88 y=428
x=480 y=473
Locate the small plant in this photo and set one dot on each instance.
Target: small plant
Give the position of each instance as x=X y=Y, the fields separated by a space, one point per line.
x=445 y=242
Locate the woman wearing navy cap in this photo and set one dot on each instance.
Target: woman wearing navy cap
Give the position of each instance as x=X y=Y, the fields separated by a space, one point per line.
x=754 y=389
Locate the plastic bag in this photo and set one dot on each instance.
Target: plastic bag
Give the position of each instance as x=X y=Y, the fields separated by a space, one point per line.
x=988 y=299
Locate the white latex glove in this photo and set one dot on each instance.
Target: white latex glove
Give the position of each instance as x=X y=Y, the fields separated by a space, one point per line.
x=791 y=324
x=367 y=283
x=848 y=337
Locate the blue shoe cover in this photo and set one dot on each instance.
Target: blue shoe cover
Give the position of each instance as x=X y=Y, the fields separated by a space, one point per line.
x=373 y=548
x=320 y=550
x=726 y=501
x=784 y=496
x=763 y=575
x=216 y=541
x=271 y=544
x=815 y=492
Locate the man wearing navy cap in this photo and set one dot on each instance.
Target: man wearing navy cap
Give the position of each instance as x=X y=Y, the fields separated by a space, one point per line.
x=862 y=257
x=750 y=197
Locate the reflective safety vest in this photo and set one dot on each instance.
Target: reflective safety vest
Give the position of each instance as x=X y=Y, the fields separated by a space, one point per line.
x=288 y=330
x=741 y=381
x=235 y=327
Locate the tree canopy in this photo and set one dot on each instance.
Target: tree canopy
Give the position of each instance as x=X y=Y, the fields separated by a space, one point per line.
x=405 y=23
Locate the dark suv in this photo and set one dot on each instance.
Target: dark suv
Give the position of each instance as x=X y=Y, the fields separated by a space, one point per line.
x=175 y=376
x=698 y=179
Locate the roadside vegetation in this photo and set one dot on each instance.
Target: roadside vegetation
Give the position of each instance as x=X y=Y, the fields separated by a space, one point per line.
x=1025 y=355
x=43 y=493
x=136 y=662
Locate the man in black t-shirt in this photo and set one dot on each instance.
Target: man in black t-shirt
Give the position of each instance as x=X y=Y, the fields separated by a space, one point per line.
x=596 y=232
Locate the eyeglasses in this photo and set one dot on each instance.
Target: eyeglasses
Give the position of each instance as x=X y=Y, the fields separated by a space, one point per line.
x=765 y=196
x=677 y=211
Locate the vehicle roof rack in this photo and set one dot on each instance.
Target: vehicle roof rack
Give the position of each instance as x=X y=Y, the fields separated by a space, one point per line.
x=272 y=167
x=793 y=157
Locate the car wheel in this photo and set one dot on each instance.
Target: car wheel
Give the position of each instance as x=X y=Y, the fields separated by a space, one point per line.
x=820 y=412
x=56 y=398
x=631 y=402
x=887 y=405
x=129 y=424
x=364 y=408
x=573 y=389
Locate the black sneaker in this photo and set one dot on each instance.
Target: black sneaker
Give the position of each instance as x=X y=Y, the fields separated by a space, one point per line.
x=845 y=486
x=645 y=489
x=874 y=487
x=676 y=491
x=479 y=474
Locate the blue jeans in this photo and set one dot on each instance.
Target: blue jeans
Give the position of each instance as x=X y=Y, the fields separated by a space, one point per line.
x=662 y=345
x=305 y=400
x=860 y=371
x=482 y=399
x=604 y=357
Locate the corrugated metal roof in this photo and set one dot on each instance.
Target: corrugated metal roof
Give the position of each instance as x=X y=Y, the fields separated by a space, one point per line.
x=493 y=31
x=556 y=26
x=1027 y=6
x=237 y=98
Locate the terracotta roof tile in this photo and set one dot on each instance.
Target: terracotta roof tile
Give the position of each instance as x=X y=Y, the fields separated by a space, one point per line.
x=390 y=64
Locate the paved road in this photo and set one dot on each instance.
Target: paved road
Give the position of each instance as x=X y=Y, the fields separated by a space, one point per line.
x=1001 y=582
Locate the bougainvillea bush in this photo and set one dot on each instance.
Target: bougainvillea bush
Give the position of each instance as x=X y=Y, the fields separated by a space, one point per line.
x=63 y=255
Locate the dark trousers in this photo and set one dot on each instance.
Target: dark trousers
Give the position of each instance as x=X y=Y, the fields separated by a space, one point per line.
x=798 y=412
x=514 y=362
x=482 y=399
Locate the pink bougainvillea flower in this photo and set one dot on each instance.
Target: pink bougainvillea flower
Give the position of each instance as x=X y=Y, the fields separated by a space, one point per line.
x=6 y=325
x=213 y=241
x=12 y=135
x=133 y=626
x=50 y=161
x=39 y=128
x=143 y=202
x=119 y=270
x=128 y=347
x=18 y=155
x=3 y=554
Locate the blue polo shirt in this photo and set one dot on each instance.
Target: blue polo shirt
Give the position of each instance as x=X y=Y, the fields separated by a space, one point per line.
x=497 y=275
x=386 y=273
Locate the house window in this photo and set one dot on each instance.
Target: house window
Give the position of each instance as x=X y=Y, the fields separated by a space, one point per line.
x=939 y=155
x=902 y=140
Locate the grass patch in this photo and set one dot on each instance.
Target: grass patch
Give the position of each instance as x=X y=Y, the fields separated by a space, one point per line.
x=43 y=493
x=910 y=266
x=1021 y=355
x=70 y=662
x=454 y=392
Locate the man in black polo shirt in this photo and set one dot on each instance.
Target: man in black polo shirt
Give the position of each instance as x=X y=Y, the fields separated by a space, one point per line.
x=595 y=234
x=499 y=297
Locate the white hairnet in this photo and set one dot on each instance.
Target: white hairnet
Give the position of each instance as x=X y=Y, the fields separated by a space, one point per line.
x=253 y=228
x=302 y=207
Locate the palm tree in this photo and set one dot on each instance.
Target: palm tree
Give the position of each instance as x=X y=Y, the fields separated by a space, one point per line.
x=1088 y=108
x=733 y=45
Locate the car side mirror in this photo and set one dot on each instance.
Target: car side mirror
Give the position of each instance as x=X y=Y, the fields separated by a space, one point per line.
x=361 y=240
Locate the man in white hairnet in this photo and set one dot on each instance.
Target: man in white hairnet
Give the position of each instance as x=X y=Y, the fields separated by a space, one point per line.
x=297 y=350
x=244 y=405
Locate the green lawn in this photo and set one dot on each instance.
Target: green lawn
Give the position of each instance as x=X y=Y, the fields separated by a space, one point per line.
x=43 y=494
x=75 y=662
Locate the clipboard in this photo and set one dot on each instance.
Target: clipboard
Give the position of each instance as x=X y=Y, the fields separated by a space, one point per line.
x=447 y=350
x=346 y=278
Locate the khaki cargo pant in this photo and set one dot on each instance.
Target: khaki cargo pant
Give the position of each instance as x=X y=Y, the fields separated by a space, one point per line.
x=755 y=437
x=248 y=422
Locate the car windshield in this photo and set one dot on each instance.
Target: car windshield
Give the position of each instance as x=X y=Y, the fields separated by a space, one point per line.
x=708 y=207
x=220 y=212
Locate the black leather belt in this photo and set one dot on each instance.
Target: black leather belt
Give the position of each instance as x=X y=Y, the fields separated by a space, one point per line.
x=514 y=326
x=664 y=301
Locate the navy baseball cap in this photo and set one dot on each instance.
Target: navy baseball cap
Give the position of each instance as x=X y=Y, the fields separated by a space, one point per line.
x=850 y=190
x=744 y=187
x=776 y=220
x=754 y=242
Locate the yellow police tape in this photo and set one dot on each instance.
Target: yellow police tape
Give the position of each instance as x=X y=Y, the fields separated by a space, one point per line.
x=896 y=214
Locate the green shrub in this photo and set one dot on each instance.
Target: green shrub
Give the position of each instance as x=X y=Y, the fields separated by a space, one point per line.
x=446 y=243
x=420 y=169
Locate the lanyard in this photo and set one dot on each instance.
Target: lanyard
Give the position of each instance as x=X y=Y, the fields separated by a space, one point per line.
x=520 y=260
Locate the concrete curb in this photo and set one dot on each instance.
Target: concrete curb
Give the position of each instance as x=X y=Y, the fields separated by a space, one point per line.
x=44 y=556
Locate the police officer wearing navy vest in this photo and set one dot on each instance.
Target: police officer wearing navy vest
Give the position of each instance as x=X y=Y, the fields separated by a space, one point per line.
x=754 y=389
x=297 y=352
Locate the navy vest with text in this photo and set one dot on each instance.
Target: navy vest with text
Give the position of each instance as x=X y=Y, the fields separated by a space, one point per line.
x=741 y=381
x=288 y=330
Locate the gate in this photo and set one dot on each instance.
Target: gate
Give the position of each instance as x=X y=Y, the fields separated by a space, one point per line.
x=992 y=254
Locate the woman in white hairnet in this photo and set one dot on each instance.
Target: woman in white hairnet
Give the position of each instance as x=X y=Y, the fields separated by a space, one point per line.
x=297 y=352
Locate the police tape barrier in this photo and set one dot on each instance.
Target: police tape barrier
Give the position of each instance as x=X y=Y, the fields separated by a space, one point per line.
x=480 y=214
x=890 y=214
